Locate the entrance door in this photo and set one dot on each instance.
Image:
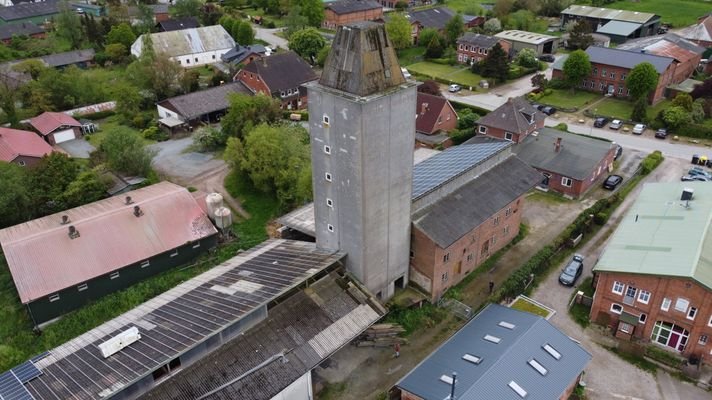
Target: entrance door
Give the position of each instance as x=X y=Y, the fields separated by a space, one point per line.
x=545 y=181
x=611 y=90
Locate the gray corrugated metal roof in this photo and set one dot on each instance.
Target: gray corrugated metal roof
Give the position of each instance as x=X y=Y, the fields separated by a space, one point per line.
x=19 y=29
x=619 y=28
x=609 y=13
x=435 y=18
x=668 y=45
x=484 y=41
x=460 y=212
x=29 y=10
x=577 y=158
x=68 y=58
x=525 y=37
x=193 y=105
x=189 y=41
x=626 y=59
x=350 y=6
x=501 y=363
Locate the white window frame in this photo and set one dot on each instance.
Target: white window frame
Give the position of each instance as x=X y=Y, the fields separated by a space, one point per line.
x=665 y=305
x=114 y=275
x=21 y=163
x=614 y=305
x=644 y=296
x=330 y=203
x=564 y=180
x=82 y=287
x=625 y=327
x=709 y=323
x=692 y=313
x=330 y=227
x=327 y=149
x=505 y=231
x=642 y=318
x=616 y=284
x=145 y=263
x=444 y=276
x=679 y=303
x=175 y=253
x=325 y=120
x=196 y=245
x=327 y=177
x=446 y=257
x=482 y=129
x=702 y=340
x=53 y=297
x=508 y=136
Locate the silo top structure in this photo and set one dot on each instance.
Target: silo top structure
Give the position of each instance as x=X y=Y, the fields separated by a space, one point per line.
x=362 y=60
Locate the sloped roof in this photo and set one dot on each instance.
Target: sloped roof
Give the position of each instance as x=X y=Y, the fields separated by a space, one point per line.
x=43 y=259
x=239 y=53
x=29 y=10
x=178 y=24
x=350 y=6
x=701 y=31
x=435 y=18
x=457 y=214
x=669 y=45
x=188 y=41
x=193 y=105
x=49 y=121
x=500 y=363
x=663 y=235
x=619 y=28
x=477 y=39
x=626 y=59
x=15 y=143
x=516 y=115
x=525 y=37
x=609 y=13
x=428 y=108
x=577 y=157
x=282 y=71
x=307 y=327
x=68 y=57
x=7 y=31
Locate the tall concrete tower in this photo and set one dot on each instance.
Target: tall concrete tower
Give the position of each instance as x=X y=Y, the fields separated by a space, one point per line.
x=362 y=128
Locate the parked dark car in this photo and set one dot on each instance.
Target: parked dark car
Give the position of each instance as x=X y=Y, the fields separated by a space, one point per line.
x=537 y=106
x=548 y=110
x=615 y=124
x=698 y=171
x=600 y=122
x=619 y=152
x=612 y=182
x=690 y=178
x=572 y=271
x=661 y=133
x=547 y=57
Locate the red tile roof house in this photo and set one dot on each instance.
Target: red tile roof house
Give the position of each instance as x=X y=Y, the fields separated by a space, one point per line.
x=474 y=47
x=62 y=261
x=434 y=118
x=56 y=127
x=280 y=76
x=22 y=147
x=512 y=121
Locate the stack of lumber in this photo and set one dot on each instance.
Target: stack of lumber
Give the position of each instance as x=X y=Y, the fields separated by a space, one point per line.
x=381 y=335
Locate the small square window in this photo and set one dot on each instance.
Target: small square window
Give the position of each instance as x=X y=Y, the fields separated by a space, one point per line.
x=482 y=129
x=702 y=340
x=82 y=287
x=187 y=60
x=412 y=254
x=644 y=296
x=681 y=305
x=444 y=277
x=493 y=240
x=508 y=212
x=145 y=264
x=446 y=257
x=327 y=149
x=616 y=308
x=505 y=231
x=495 y=221
x=114 y=275
x=175 y=253
x=625 y=327
x=21 y=163
x=330 y=203
x=213 y=56
x=327 y=176
x=330 y=227
x=568 y=182
x=508 y=136
x=53 y=297
x=325 y=120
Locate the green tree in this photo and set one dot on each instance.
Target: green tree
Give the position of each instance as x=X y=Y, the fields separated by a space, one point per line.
x=247 y=111
x=323 y=54
x=313 y=10
x=307 y=43
x=69 y=26
x=495 y=65
x=454 y=29
x=641 y=80
x=294 y=21
x=398 y=29
x=146 y=17
x=116 y=52
x=539 y=81
x=86 y=188
x=122 y=34
x=698 y=111
x=683 y=100
x=125 y=151
x=128 y=101
x=92 y=30
x=33 y=67
x=8 y=98
x=49 y=178
x=580 y=36
x=503 y=8
x=186 y=8
x=640 y=110
x=676 y=116
x=492 y=26
x=526 y=58
x=227 y=22
x=156 y=73
x=576 y=67
x=434 y=49
x=15 y=204
x=427 y=34
x=243 y=33
x=189 y=81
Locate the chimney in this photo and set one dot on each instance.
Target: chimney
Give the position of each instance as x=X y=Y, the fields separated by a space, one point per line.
x=424 y=108
x=65 y=220
x=452 y=387
x=137 y=211
x=557 y=145
x=73 y=232
x=128 y=200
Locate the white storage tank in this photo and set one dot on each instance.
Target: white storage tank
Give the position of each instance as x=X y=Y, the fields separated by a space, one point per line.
x=213 y=202
x=223 y=218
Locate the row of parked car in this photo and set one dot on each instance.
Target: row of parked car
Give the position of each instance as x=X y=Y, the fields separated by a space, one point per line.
x=638 y=129
x=548 y=110
x=697 y=174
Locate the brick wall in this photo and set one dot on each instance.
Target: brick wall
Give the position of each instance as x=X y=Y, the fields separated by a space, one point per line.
x=447 y=267
x=447 y=120
x=579 y=187
x=516 y=136
x=333 y=20
x=253 y=81
x=659 y=288
x=470 y=54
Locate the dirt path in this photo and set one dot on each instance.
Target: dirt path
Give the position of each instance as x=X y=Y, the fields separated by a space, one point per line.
x=213 y=181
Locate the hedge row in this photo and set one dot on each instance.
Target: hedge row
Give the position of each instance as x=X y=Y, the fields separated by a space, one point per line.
x=650 y=162
x=97 y=115
x=695 y=131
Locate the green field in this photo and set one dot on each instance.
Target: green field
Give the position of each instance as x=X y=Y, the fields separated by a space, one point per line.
x=562 y=98
x=679 y=13
x=446 y=73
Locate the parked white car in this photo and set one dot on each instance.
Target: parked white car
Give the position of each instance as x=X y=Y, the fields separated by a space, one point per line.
x=454 y=88
x=638 y=129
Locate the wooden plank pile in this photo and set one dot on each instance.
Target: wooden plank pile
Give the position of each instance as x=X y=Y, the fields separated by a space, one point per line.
x=381 y=335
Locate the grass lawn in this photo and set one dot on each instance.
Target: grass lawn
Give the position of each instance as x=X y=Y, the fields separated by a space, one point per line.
x=106 y=125
x=620 y=108
x=261 y=207
x=562 y=98
x=411 y=55
x=678 y=12
x=547 y=197
x=524 y=305
x=455 y=74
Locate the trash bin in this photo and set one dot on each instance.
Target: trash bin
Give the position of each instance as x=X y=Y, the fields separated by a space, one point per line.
x=703 y=160
x=695 y=159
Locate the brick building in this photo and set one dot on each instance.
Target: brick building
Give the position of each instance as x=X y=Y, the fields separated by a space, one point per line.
x=502 y=353
x=344 y=12
x=513 y=121
x=653 y=280
x=280 y=76
x=434 y=118
x=434 y=18
x=474 y=47
x=610 y=67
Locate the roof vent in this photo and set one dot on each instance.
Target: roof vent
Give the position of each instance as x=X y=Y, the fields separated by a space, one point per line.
x=687 y=194
x=128 y=200
x=518 y=389
x=493 y=339
x=473 y=359
x=506 y=325
x=65 y=219
x=552 y=351
x=73 y=232
x=119 y=342
x=538 y=367
x=138 y=211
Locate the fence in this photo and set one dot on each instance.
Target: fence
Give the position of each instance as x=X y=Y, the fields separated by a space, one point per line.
x=460 y=310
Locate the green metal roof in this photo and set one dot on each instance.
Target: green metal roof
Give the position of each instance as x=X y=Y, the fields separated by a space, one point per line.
x=662 y=235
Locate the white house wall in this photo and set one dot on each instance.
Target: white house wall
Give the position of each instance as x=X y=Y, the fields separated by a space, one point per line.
x=301 y=389
x=165 y=113
x=64 y=135
x=205 y=58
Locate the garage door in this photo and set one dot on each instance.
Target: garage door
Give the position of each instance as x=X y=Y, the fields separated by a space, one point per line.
x=63 y=136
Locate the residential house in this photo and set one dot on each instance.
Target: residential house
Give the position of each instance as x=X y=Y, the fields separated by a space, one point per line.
x=23 y=148
x=570 y=163
x=344 y=12
x=619 y=25
x=280 y=76
x=203 y=106
x=686 y=54
x=433 y=18
x=610 y=67
x=502 y=353
x=467 y=204
x=251 y=328
x=513 y=121
x=39 y=12
x=86 y=252
x=176 y=24
x=473 y=21
x=700 y=33
x=160 y=13
x=434 y=118
x=538 y=42
x=474 y=47
x=653 y=281
x=245 y=54
x=21 y=29
x=56 y=127
x=189 y=47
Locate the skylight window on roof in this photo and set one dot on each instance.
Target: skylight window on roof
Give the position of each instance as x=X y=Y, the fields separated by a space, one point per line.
x=447 y=379
x=538 y=367
x=552 y=351
x=493 y=339
x=507 y=325
x=473 y=359
x=518 y=389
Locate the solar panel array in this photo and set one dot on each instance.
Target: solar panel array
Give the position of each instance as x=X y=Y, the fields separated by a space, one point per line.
x=173 y=323
x=433 y=172
x=12 y=389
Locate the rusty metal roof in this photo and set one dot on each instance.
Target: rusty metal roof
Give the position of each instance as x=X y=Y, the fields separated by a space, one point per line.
x=669 y=45
x=43 y=259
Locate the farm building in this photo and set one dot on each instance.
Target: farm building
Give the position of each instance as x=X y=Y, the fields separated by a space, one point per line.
x=62 y=261
x=540 y=43
x=189 y=47
x=343 y=12
x=202 y=106
x=619 y=25
x=36 y=12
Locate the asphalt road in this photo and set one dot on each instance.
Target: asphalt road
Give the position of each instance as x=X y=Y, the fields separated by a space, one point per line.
x=268 y=35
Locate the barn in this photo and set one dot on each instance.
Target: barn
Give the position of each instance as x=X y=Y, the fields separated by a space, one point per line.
x=189 y=47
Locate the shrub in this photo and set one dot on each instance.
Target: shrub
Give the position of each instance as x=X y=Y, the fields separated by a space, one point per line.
x=459 y=136
x=600 y=218
x=562 y=127
x=548 y=92
x=270 y=25
x=695 y=131
x=154 y=133
x=97 y=115
x=651 y=161
x=558 y=84
x=663 y=356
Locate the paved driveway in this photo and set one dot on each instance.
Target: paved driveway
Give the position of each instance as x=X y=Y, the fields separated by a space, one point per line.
x=77 y=148
x=268 y=35
x=173 y=158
